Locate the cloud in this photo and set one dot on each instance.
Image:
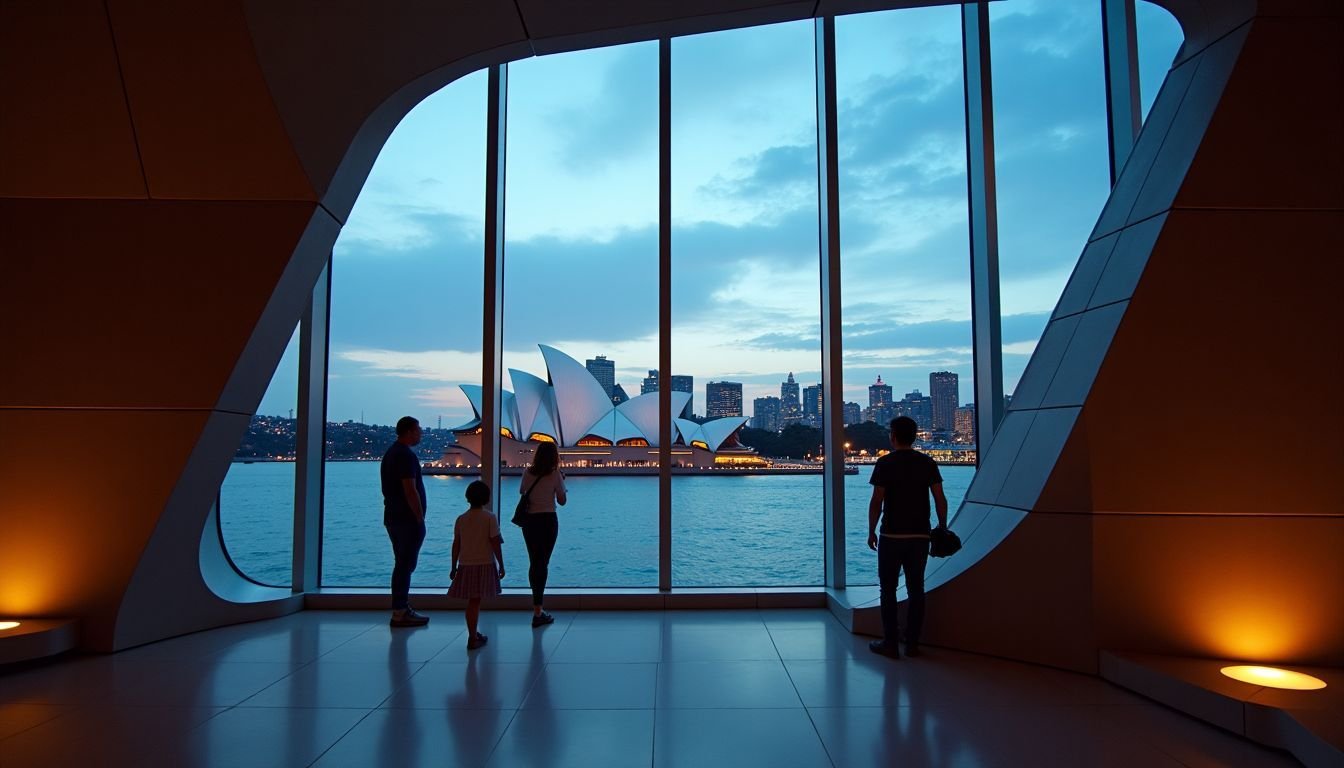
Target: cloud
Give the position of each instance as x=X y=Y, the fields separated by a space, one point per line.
x=427 y=365
x=875 y=336
x=781 y=177
x=620 y=119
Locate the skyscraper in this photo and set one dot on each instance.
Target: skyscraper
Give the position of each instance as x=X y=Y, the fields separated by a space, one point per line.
x=723 y=398
x=687 y=384
x=679 y=384
x=790 y=409
x=812 y=405
x=765 y=412
x=853 y=414
x=618 y=395
x=879 y=402
x=945 y=396
x=963 y=422
x=917 y=406
x=604 y=371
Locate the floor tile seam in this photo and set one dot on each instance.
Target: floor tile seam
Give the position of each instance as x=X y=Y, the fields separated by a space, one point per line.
x=502 y=733
x=780 y=656
x=803 y=702
x=300 y=708
x=273 y=683
x=54 y=717
x=653 y=735
x=341 y=738
x=727 y=709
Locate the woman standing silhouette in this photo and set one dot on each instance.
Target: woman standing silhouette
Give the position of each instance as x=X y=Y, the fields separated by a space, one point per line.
x=544 y=484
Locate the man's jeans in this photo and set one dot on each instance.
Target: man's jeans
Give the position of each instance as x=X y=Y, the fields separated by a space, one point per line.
x=406 y=540
x=893 y=556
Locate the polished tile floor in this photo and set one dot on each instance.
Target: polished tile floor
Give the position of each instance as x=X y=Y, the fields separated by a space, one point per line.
x=686 y=688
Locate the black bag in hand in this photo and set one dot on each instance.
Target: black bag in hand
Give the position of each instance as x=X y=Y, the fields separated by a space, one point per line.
x=943 y=542
x=520 y=511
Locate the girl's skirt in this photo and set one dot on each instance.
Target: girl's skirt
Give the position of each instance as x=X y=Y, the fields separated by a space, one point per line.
x=475 y=581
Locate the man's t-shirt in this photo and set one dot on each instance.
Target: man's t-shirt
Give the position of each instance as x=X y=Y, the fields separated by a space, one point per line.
x=906 y=477
x=400 y=463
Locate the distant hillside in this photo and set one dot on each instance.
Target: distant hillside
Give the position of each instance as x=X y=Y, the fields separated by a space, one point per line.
x=272 y=437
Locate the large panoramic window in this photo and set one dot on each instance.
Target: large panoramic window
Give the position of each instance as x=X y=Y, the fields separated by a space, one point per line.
x=904 y=249
x=1052 y=162
x=581 y=331
x=745 y=307
x=256 y=500
x=405 y=329
x=581 y=306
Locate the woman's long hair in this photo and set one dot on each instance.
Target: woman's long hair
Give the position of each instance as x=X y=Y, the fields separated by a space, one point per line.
x=546 y=460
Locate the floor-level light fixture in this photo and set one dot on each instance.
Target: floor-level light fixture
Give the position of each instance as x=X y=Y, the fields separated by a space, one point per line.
x=1273 y=677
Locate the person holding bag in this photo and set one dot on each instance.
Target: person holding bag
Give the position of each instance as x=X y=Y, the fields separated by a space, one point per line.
x=542 y=487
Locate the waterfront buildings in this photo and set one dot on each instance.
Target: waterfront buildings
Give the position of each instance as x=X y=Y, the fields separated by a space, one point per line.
x=790 y=407
x=766 y=413
x=723 y=399
x=812 y=405
x=604 y=371
x=853 y=414
x=944 y=395
x=963 y=424
x=679 y=384
x=879 y=402
x=917 y=406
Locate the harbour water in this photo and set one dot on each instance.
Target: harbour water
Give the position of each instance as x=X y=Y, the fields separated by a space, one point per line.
x=726 y=531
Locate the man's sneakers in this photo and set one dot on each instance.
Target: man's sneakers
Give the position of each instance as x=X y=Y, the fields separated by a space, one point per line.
x=542 y=619
x=408 y=617
x=477 y=641
x=882 y=648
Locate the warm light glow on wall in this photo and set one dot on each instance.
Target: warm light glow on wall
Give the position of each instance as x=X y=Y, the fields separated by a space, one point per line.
x=1272 y=677
x=8 y=625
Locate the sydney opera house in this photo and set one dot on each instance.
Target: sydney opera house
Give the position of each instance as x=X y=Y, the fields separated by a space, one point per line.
x=571 y=409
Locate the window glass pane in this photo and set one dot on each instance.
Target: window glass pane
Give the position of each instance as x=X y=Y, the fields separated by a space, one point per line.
x=905 y=249
x=745 y=304
x=256 y=501
x=1159 y=38
x=1051 y=158
x=581 y=278
x=405 y=330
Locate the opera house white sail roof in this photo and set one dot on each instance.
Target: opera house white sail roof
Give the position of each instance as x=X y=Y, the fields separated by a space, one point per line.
x=574 y=407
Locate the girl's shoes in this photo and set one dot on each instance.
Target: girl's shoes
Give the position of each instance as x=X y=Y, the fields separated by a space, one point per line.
x=542 y=619
x=477 y=641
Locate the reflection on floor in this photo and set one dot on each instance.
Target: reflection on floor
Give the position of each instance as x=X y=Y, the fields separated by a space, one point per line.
x=692 y=688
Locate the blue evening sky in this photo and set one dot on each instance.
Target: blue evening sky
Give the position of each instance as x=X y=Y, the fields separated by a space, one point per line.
x=582 y=204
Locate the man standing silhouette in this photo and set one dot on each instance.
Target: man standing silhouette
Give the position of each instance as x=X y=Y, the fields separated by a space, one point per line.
x=404 y=517
x=902 y=481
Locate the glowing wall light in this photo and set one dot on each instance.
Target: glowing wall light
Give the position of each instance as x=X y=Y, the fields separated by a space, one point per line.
x=1272 y=677
x=8 y=625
